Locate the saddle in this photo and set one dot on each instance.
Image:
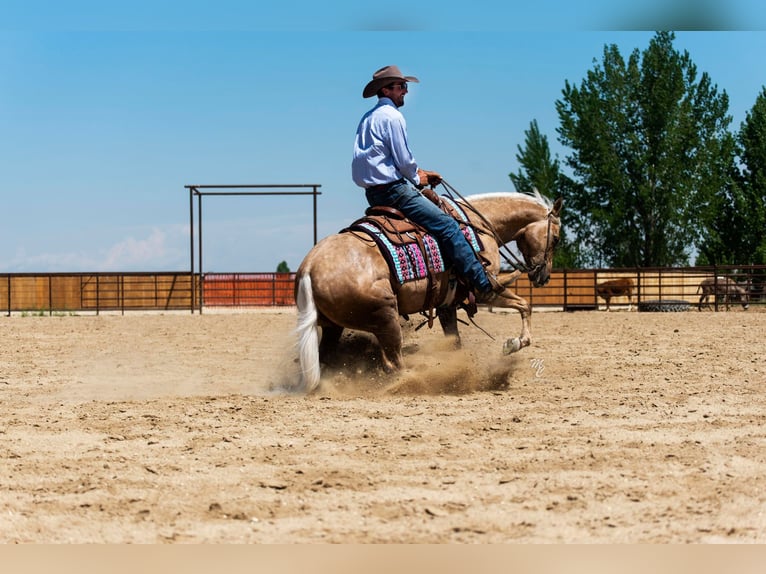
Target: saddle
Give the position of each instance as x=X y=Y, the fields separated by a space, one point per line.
x=411 y=252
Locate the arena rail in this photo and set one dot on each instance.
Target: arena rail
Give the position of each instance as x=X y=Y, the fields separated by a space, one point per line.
x=48 y=293
x=575 y=289
x=568 y=289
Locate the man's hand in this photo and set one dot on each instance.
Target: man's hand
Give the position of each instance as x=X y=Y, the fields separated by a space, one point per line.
x=430 y=178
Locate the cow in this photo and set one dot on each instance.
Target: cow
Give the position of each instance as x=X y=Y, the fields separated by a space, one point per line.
x=616 y=288
x=722 y=287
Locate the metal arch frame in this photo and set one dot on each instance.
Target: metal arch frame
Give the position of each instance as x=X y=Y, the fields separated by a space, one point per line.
x=196 y=290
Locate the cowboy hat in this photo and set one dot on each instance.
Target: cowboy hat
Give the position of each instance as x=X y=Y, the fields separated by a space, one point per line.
x=383 y=77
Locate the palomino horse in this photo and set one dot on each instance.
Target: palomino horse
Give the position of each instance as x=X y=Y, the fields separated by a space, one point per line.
x=345 y=281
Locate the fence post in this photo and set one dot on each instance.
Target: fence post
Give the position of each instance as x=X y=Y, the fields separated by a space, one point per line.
x=595 y=289
x=715 y=287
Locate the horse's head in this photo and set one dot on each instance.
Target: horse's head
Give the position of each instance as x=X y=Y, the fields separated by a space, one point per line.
x=537 y=241
x=744 y=298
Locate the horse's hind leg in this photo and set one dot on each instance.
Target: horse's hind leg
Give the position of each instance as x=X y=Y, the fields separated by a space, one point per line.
x=448 y=320
x=389 y=335
x=328 y=346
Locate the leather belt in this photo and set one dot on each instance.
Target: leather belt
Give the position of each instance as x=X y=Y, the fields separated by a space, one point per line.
x=384 y=186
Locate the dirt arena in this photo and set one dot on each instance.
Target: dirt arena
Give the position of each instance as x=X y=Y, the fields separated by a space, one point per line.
x=174 y=428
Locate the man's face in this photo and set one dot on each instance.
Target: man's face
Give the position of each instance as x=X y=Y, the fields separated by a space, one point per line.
x=396 y=92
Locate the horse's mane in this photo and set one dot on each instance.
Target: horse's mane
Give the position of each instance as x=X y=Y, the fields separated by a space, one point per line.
x=534 y=197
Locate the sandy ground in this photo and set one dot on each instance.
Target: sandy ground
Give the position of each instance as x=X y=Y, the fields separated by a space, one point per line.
x=613 y=427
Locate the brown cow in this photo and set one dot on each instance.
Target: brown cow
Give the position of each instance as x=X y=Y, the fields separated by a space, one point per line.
x=722 y=287
x=616 y=288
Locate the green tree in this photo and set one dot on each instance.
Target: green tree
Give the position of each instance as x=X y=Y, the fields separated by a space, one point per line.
x=723 y=219
x=752 y=139
x=735 y=218
x=282 y=267
x=539 y=171
x=650 y=150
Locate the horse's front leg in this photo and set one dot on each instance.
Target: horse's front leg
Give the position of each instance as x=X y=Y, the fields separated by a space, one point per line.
x=510 y=300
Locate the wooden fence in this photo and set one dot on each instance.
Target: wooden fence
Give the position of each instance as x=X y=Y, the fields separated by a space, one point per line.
x=72 y=292
x=568 y=289
x=576 y=289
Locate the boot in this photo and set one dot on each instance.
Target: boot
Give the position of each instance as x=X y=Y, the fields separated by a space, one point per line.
x=487 y=297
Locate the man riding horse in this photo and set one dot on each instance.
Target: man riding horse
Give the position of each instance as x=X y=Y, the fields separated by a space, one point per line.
x=384 y=166
x=348 y=281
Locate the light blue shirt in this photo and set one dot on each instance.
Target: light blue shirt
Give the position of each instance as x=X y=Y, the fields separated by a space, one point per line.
x=381 y=153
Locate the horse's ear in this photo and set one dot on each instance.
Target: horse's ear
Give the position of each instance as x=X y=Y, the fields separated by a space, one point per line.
x=557 y=205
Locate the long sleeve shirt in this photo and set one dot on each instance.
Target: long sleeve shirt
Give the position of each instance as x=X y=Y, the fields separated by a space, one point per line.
x=381 y=152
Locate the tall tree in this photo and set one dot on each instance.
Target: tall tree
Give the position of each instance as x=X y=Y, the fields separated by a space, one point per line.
x=735 y=219
x=650 y=146
x=539 y=171
x=752 y=139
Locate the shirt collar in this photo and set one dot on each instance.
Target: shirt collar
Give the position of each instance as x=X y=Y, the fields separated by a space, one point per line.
x=384 y=101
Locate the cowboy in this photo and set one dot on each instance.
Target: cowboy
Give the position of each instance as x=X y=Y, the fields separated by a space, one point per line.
x=384 y=166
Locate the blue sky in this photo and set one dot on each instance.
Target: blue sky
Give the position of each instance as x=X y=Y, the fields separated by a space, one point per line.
x=107 y=110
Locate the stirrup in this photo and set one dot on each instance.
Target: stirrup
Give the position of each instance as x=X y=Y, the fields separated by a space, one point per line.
x=496 y=286
x=485 y=298
x=488 y=297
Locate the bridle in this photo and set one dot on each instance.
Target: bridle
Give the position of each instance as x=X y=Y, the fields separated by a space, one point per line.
x=548 y=247
x=516 y=262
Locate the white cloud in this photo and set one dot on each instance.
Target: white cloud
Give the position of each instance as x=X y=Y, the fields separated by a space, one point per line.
x=247 y=245
x=163 y=249
x=151 y=253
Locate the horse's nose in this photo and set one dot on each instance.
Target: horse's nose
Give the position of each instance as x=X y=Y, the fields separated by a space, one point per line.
x=540 y=277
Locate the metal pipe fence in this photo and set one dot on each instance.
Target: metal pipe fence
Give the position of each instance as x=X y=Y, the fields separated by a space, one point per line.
x=46 y=293
x=576 y=289
x=569 y=289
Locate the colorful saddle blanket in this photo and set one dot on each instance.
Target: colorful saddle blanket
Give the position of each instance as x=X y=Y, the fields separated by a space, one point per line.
x=411 y=252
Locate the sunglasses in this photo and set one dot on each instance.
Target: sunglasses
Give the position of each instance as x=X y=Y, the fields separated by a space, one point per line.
x=402 y=85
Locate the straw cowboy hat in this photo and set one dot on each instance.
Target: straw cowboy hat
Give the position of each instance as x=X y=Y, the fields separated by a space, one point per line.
x=383 y=77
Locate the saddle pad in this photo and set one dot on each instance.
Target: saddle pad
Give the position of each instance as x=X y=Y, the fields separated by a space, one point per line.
x=467 y=230
x=407 y=261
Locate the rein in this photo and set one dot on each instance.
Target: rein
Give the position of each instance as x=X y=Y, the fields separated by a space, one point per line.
x=470 y=318
x=509 y=256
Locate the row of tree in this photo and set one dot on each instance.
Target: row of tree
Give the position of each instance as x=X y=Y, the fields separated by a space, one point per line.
x=655 y=176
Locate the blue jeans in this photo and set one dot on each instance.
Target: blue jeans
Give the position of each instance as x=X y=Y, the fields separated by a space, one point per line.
x=445 y=229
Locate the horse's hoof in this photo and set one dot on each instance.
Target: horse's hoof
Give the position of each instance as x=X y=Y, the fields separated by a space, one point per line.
x=511 y=346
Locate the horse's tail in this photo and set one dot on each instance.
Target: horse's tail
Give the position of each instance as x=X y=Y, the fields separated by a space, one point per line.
x=308 y=335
